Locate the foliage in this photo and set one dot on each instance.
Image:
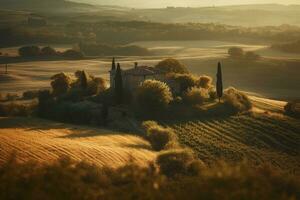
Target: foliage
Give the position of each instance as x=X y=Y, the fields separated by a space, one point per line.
x=205 y=82
x=96 y=86
x=153 y=97
x=61 y=84
x=67 y=179
x=83 y=112
x=48 y=51
x=159 y=137
x=236 y=100
x=11 y=97
x=219 y=85
x=119 y=85
x=196 y=96
x=186 y=81
x=212 y=92
x=45 y=103
x=236 y=52
x=178 y=162
x=31 y=94
x=292 y=109
x=250 y=55
x=72 y=54
x=17 y=109
x=29 y=51
x=171 y=65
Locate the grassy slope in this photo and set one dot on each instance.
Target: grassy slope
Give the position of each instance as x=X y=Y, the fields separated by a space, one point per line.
x=45 y=141
x=262 y=137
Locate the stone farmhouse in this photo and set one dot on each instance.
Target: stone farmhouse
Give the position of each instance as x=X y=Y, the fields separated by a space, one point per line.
x=133 y=77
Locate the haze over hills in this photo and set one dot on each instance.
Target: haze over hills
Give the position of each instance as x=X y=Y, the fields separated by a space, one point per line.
x=44 y=5
x=181 y=3
x=241 y=15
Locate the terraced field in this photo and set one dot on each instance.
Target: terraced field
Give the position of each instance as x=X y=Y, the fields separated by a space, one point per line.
x=259 y=138
x=45 y=141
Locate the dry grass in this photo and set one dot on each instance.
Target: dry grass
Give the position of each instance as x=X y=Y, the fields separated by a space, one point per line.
x=66 y=179
x=45 y=141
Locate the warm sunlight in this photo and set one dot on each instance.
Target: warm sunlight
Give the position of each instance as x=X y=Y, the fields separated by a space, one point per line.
x=150 y=100
x=185 y=3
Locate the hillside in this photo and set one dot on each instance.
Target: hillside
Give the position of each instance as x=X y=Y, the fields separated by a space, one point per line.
x=45 y=141
x=263 y=137
x=47 y=6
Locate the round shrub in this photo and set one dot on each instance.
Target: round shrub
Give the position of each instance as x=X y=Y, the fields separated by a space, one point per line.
x=161 y=138
x=153 y=97
x=212 y=92
x=29 y=51
x=96 y=86
x=236 y=100
x=178 y=162
x=205 y=82
x=196 y=96
x=185 y=81
x=61 y=83
x=172 y=65
x=48 y=51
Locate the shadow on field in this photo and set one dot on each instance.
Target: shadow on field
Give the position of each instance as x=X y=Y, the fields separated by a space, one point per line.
x=40 y=125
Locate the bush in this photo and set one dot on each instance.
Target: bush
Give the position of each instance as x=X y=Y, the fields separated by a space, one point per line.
x=48 y=51
x=236 y=52
x=251 y=56
x=161 y=138
x=30 y=94
x=196 y=96
x=237 y=101
x=205 y=82
x=46 y=102
x=61 y=84
x=11 y=97
x=153 y=97
x=67 y=179
x=292 y=109
x=29 y=51
x=73 y=54
x=212 y=92
x=186 y=81
x=146 y=125
x=16 y=109
x=96 y=86
x=178 y=162
x=172 y=65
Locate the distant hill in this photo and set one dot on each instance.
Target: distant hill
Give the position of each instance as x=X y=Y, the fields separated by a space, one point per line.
x=265 y=15
x=45 y=5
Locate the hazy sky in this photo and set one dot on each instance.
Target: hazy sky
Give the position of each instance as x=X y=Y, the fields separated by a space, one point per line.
x=164 y=3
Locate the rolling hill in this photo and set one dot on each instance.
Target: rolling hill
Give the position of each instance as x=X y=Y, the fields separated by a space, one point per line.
x=44 y=141
x=262 y=137
x=47 y=6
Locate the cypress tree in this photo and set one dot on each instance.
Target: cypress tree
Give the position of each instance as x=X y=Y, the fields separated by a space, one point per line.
x=113 y=64
x=118 y=85
x=219 y=82
x=84 y=79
